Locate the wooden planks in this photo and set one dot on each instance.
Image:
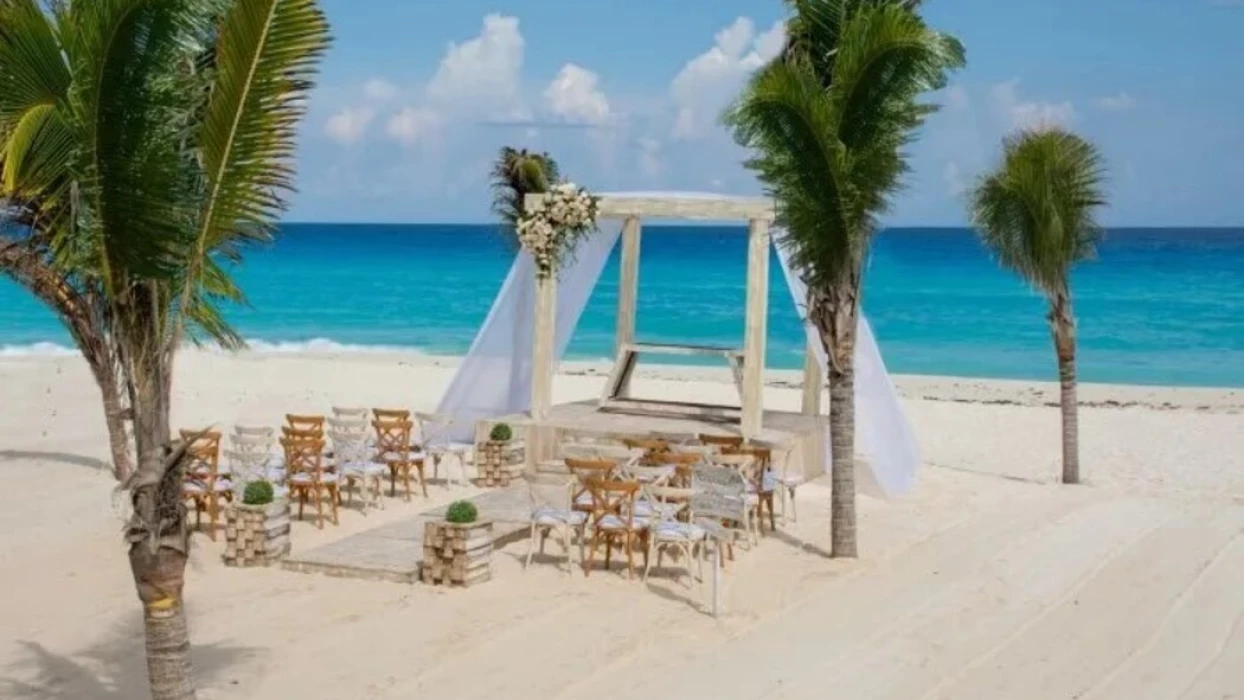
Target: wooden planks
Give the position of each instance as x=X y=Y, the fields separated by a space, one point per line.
x=674 y=205
x=500 y=462
x=256 y=535
x=754 y=333
x=457 y=555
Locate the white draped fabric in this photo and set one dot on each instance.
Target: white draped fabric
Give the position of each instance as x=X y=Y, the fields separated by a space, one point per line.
x=882 y=433
x=495 y=377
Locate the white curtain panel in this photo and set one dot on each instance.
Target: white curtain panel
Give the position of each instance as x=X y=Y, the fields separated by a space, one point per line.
x=882 y=433
x=494 y=378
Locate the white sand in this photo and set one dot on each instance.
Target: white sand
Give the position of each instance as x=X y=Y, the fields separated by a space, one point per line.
x=990 y=581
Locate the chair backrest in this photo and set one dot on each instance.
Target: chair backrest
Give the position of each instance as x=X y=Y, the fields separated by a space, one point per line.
x=390 y=414
x=722 y=440
x=302 y=434
x=648 y=444
x=763 y=455
x=745 y=465
x=550 y=495
x=202 y=452
x=351 y=413
x=584 y=470
x=304 y=455
x=350 y=446
x=248 y=454
x=393 y=438
x=254 y=431
x=309 y=423
x=354 y=426
x=613 y=497
x=649 y=475
x=660 y=493
x=718 y=493
x=434 y=429
x=675 y=458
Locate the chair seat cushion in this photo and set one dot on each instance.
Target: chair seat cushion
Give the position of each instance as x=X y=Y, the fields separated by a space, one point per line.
x=304 y=479
x=678 y=532
x=199 y=487
x=363 y=469
x=555 y=516
x=614 y=522
x=646 y=509
x=583 y=499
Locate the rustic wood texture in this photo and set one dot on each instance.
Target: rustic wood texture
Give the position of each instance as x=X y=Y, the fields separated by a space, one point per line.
x=675 y=206
x=813 y=383
x=543 y=363
x=499 y=462
x=755 y=330
x=628 y=284
x=457 y=555
x=256 y=535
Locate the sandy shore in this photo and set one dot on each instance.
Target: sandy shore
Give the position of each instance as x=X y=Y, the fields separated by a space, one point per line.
x=989 y=581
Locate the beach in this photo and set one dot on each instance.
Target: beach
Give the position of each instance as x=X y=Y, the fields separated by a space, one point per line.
x=990 y=580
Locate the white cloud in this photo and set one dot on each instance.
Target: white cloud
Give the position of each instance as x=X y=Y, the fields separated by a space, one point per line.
x=650 y=162
x=1027 y=114
x=575 y=96
x=484 y=73
x=1122 y=102
x=349 y=125
x=709 y=81
x=379 y=90
x=413 y=124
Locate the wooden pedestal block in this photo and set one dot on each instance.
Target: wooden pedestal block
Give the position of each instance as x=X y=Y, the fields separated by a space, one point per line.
x=457 y=555
x=500 y=462
x=256 y=535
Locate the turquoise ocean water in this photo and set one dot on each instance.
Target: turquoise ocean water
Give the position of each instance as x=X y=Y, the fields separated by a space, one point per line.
x=1159 y=306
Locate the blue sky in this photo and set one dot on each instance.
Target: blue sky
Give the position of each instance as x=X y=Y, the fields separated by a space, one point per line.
x=416 y=97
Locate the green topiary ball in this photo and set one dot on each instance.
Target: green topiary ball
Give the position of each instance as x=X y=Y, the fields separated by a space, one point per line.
x=258 y=493
x=461 y=513
x=501 y=433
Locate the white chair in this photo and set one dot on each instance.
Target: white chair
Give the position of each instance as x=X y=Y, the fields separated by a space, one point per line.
x=667 y=531
x=435 y=433
x=550 y=510
x=352 y=456
x=252 y=449
x=743 y=467
x=355 y=414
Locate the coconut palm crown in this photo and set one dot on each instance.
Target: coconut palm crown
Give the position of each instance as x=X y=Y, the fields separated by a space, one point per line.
x=827 y=122
x=1036 y=213
x=516 y=174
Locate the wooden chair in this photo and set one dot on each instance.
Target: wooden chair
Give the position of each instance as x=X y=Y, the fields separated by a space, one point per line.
x=646 y=444
x=765 y=483
x=308 y=478
x=721 y=441
x=666 y=531
x=550 y=510
x=393 y=449
x=390 y=414
x=301 y=433
x=305 y=423
x=203 y=484
x=353 y=459
x=613 y=521
x=719 y=502
x=584 y=470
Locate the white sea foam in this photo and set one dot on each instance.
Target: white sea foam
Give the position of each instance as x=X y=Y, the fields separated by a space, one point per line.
x=37 y=350
x=322 y=346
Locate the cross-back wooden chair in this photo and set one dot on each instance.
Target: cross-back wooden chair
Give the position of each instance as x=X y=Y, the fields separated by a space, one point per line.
x=584 y=470
x=390 y=414
x=613 y=521
x=393 y=449
x=666 y=530
x=646 y=444
x=765 y=481
x=248 y=457
x=203 y=484
x=305 y=423
x=301 y=433
x=551 y=511
x=309 y=478
x=720 y=503
x=747 y=467
x=352 y=456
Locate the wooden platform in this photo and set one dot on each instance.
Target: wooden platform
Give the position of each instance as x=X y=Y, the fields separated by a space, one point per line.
x=394 y=552
x=803 y=436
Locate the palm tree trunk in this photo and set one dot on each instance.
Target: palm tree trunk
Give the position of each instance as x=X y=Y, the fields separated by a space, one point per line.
x=1063 y=325
x=115 y=415
x=835 y=313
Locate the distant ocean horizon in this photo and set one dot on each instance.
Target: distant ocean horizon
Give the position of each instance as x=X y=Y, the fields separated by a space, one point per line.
x=1160 y=306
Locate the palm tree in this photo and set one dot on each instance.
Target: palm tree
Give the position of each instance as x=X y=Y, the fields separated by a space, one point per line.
x=827 y=121
x=1036 y=213
x=516 y=174
x=145 y=143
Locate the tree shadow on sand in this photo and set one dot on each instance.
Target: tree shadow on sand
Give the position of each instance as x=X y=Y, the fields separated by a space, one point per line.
x=113 y=669
x=75 y=460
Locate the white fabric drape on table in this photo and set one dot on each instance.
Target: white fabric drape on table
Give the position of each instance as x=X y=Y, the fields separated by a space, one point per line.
x=494 y=378
x=882 y=433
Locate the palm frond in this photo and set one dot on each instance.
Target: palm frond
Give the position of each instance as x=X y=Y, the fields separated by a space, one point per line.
x=1036 y=211
x=516 y=174
x=32 y=69
x=130 y=108
x=261 y=72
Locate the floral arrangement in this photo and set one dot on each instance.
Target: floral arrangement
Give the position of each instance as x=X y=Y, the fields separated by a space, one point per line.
x=551 y=234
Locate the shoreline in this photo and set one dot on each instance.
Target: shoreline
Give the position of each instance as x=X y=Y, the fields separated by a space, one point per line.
x=936 y=388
